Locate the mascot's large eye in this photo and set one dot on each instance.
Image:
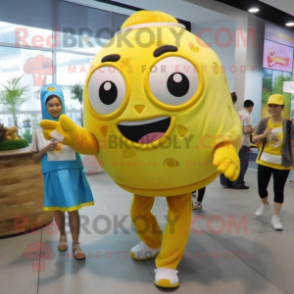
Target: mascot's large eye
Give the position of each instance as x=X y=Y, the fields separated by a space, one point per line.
x=107 y=90
x=173 y=80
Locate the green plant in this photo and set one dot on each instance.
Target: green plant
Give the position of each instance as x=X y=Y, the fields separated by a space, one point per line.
x=14 y=144
x=77 y=94
x=28 y=135
x=13 y=96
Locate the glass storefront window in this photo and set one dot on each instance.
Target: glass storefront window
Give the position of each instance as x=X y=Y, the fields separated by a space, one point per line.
x=19 y=35
x=72 y=69
x=36 y=69
x=66 y=33
x=82 y=42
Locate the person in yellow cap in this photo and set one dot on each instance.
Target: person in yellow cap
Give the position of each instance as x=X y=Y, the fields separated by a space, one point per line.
x=275 y=136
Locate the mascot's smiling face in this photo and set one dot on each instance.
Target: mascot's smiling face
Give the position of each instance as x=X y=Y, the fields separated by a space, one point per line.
x=146 y=102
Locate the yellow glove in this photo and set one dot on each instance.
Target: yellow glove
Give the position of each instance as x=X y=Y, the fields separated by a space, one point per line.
x=227 y=161
x=70 y=134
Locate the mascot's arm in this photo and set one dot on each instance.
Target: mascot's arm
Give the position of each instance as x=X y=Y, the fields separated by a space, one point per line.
x=227 y=161
x=70 y=134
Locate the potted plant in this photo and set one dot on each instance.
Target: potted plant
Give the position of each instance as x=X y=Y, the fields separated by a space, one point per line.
x=13 y=96
x=9 y=140
x=77 y=94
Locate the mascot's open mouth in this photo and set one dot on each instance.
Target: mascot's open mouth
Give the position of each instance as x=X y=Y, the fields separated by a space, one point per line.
x=145 y=131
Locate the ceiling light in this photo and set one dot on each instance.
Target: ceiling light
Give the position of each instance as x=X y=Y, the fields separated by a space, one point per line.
x=290 y=24
x=253 y=10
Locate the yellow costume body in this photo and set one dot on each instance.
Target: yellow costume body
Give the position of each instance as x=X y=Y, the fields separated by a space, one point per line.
x=160 y=108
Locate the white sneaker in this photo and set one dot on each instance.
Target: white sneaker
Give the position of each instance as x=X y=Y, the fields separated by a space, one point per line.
x=276 y=223
x=262 y=209
x=196 y=205
x=166 y=278
x=143 y=252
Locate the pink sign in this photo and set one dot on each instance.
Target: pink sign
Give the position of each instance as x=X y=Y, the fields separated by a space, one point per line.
x=277 y=56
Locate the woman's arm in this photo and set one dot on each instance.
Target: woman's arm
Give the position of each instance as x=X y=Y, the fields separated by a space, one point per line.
x=39 y=155
x=259 y=138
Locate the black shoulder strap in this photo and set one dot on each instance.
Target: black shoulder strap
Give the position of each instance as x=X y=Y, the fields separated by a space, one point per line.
x=263 y=145
x=289 y=125
x=263 y=141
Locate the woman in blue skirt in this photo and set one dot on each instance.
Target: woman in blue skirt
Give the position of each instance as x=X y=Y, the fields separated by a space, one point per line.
x=65 y=185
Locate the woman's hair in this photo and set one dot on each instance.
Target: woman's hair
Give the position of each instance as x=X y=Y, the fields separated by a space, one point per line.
x=51 y=97
x=234 y=97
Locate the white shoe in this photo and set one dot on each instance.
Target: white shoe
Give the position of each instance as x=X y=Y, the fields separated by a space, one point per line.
x=143 y=252
x=276 y=223
x=166 y=277
x=196 y=205
x=262 y=209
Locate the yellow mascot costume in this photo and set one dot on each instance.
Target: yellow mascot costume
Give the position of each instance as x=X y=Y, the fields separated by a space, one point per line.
x=158 y=111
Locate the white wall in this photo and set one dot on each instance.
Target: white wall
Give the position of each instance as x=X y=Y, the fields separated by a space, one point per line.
x=247 y=85
x=253 y=82
x=241 y=18
x=226 y=55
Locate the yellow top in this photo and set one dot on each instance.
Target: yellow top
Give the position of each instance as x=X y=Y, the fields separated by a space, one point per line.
x=272 y=152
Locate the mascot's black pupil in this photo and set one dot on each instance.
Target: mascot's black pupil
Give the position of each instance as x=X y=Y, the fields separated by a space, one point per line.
x=108 y=93
x=178 y=84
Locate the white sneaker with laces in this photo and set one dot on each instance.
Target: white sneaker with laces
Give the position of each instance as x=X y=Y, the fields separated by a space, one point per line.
x=276 y=223
x=166 y=278
x=143 y=252
x=262 y=209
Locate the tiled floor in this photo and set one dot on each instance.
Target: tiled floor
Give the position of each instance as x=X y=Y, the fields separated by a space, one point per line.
x=248 y=258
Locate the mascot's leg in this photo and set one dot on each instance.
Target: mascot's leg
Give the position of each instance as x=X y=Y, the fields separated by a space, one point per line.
x=147 y=228
x=174 y=241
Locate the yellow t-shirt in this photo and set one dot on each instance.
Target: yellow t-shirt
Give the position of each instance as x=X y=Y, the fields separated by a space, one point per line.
x=272 y=152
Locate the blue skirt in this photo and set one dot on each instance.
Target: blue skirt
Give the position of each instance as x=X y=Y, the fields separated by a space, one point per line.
x=66 y=190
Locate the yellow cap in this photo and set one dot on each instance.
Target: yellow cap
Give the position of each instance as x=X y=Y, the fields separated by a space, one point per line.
x=276 y=99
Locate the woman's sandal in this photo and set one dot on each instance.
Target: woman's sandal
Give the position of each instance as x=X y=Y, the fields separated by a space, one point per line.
x=77 y=252
x=62 y=245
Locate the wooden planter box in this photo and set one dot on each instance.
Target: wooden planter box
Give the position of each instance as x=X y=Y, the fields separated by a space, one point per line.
x=21 y=193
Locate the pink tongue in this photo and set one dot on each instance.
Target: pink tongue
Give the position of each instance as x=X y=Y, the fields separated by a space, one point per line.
x=149 y=138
